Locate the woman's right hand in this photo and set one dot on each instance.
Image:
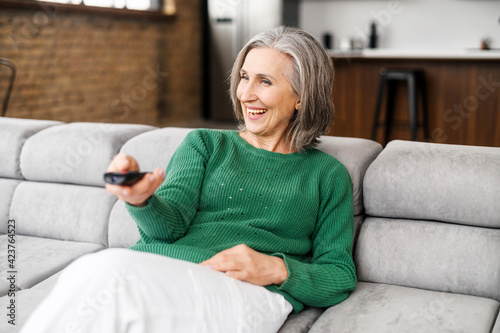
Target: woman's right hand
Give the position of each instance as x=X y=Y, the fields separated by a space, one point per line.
x=139 y=193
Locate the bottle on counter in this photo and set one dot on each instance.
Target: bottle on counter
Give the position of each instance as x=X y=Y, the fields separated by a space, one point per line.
x=373 y=38
x=485 y=43
x=327 y=40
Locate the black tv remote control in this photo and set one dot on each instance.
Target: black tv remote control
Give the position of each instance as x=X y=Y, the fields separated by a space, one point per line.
x=123 y=178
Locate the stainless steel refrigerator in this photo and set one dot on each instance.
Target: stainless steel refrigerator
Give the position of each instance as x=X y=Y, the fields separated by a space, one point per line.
x=228 y=26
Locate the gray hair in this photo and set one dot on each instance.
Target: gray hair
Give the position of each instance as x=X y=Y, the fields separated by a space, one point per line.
x=311 y=78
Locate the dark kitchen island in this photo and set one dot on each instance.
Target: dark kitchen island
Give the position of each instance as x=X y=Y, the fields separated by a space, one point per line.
x=463 y=90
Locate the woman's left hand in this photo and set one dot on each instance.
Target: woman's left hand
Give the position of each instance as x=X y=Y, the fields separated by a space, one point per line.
x=245 y=264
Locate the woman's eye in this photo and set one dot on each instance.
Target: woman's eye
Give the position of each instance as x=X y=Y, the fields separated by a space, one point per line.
x=266 y=81
x=243 y=77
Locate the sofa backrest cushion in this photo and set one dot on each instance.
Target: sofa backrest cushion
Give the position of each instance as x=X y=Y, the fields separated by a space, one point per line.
x=13 y=134
x=433 y=219
x=7 y=187
x=76 y=153
x=430 y=255
x=449 y=183
x=356 y=155
x=62 y=211
x=123 y=231
x=155 y=148
x=151 y=149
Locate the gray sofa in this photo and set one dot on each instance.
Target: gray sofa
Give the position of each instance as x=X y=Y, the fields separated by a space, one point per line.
x=427 y=219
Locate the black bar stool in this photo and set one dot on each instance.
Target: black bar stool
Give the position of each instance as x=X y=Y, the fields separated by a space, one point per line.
x=415 y=80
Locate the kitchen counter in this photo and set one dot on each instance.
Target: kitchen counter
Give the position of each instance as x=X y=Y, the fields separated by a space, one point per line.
x=468 y=54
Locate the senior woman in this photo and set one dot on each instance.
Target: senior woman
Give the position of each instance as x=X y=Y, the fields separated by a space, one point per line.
x=242 y=228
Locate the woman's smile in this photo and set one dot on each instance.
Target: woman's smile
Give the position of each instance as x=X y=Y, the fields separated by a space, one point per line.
x=255 y=113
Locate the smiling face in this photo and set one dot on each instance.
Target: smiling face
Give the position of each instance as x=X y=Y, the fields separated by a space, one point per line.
x=267 y=99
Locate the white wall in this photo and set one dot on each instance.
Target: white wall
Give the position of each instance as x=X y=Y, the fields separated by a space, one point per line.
x=406 y=24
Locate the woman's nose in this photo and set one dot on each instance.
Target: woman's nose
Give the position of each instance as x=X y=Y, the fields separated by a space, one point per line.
x=247 y=92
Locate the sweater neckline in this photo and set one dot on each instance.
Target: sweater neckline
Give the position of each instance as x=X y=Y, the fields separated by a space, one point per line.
x=263 y=152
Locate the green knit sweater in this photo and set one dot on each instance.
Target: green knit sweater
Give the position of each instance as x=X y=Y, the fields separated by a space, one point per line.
x=220 y=191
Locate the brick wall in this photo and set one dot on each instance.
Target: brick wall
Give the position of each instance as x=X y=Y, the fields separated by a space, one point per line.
x=80 y=66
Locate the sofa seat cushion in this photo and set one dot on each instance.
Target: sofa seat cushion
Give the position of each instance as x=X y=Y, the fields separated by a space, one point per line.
x=39 y=258
x=496 y=328
x=26 y=302
x=13 y=134
x=49 y=283
x=430 y=255
x=301 y=322
x=386 y=308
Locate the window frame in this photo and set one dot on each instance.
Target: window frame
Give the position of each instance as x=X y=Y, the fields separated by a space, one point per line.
x=53 y=7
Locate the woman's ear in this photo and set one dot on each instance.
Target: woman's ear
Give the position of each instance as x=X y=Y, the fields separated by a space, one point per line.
x=297 y=104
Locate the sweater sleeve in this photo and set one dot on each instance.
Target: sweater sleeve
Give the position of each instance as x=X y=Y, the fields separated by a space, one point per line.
x=170 y=211
x=330 y=274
